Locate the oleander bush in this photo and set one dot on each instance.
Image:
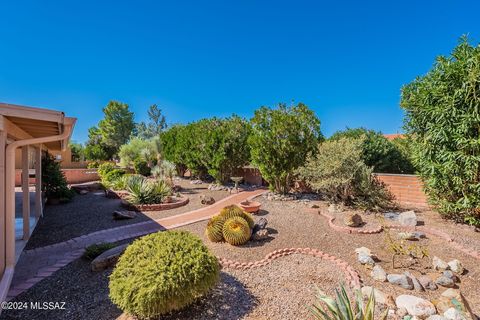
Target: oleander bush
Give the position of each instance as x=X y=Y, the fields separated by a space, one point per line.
x=162 y=272
x=338 y=173
x=442 y=117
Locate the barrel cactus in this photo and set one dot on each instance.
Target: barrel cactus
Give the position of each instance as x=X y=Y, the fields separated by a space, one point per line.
x=235 y=211
x=236 y=231
x=214 y=230
x=162 y=272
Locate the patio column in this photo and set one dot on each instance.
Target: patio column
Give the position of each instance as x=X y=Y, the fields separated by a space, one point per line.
x=3 y=142
x=38 y=182
x=25 y=194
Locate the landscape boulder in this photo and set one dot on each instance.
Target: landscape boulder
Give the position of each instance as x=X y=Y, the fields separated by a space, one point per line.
x=122 y=214
x=415 y=306
x=108 y=258
x=261 y=224
x=380 y=297
x=353 y=220
x=260 y=235
x=206 y=200
x=456 y=266
x=378 y=273
x=427 y=282
x=408 y=218
x=439 y=264
x=400 y=280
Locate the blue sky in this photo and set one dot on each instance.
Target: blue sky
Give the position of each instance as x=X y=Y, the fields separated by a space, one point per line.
x=347 y=60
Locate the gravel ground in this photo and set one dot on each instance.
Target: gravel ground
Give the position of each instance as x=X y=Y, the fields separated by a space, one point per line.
x=92 y=212
x=291 y=226
x=281 y=290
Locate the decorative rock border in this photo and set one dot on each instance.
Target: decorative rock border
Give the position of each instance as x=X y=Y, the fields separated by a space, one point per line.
x=351 y=274
x=430 y=231
x=156 y=206
x=345 y=229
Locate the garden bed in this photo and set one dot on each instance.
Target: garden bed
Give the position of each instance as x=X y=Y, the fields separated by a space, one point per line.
x=175 y=203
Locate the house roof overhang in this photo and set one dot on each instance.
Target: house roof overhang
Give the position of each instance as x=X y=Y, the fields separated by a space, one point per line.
x=22 y=122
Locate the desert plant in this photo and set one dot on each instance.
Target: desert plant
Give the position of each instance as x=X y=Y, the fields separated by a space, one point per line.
x=236 y=231
x=339 y=173
x=141 y=167
x=442 y=110
x=162 y=272
x=145 y=191
x=54 y=183
x=94 y=250
x=400 y=247
x=341 y=308
x=156 y=172
x=111 y=177
x=214 y=230
x=124 y=180
x=235 y=211
x=281 y=140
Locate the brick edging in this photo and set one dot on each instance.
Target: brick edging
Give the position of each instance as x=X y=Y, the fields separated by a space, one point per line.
x=157 y=206
x=350 y=273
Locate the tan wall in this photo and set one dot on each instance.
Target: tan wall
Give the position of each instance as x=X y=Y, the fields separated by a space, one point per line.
x=65 y=156
x=407 y=189
x=72 y=175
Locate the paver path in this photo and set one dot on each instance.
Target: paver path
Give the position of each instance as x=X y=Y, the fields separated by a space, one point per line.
x=36 y=264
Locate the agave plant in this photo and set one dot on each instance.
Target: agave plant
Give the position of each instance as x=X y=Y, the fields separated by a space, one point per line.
x=341 y=308
x=145 y=191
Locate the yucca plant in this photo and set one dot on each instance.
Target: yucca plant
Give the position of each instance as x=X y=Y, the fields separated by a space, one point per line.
x=341 y=308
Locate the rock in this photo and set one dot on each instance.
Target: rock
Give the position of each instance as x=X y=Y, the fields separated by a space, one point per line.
x=314 y=206
x=196 y=182
x=408 y=218
x=456 y=266
x=454 y=314
x=420 y=235
x=452 y=298
x=380 y=297
x=436 y=317
x=407 y=236
x=427 y=283
x=393 y=216
x=206 y=200
x=352 y=220
x=439 y=264
x=379 y=274
x=366 y=260
x=260 y=235
x=363 y=250
x=449 y=274
x=445 y=282
x=417 y=286
x=400 y=280
x=415 y=306
x=261 y=224
x=335 y=208
x=122 y=215
x=83 y=192
x=108 y=258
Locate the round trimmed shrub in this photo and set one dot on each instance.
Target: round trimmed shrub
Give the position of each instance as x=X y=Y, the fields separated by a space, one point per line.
x=214 y=230
x=236 y=231
x=162 y=272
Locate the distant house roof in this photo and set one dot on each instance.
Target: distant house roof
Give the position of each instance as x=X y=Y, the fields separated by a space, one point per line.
x=392 y=136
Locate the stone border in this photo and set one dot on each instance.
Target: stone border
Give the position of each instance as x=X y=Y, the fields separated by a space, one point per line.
x=345 y=229
x=351 y=274
x=430 y=231
x=156 y=206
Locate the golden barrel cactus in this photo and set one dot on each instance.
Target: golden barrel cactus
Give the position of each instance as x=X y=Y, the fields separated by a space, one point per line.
x=214 y=230
x=236 y=231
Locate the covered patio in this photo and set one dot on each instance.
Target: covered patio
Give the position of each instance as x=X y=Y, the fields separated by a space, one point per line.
x=25 y=133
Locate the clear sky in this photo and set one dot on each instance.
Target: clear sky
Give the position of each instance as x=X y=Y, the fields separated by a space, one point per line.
x=345 y=59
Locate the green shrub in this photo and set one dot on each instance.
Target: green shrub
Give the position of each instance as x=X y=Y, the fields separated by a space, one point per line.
x=104 y=168
x=377 y=151
x=53 y=180
x=141 y=167
x=442 y=117
x=111 y=177
x=281 y=140
x=145 y=191
x=162 y=272
x=339 y=173
x=93 y=164
x=341 y=308
x=94 y=250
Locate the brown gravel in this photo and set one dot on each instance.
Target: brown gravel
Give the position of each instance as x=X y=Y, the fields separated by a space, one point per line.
x=291 y=226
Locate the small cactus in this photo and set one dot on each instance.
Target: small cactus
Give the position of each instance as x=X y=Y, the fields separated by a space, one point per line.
x=214 y=230
x=236 y=231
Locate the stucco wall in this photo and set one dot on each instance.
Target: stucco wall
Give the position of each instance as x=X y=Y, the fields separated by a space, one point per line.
x=72 y=175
